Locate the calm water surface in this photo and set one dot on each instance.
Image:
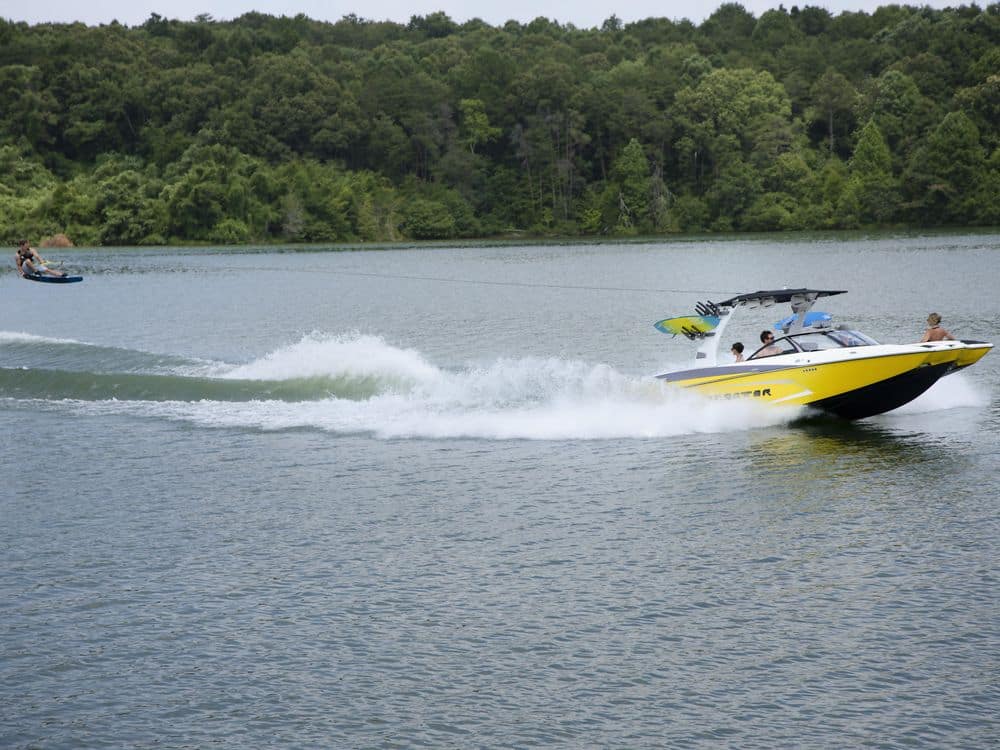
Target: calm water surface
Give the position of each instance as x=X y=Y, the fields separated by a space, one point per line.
x=434 y=497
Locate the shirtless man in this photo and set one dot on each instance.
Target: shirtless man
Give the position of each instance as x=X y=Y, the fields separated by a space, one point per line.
x=767 y=339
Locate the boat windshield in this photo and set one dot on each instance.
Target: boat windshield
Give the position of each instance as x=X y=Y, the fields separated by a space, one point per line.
x=814 y=341
x=839 y=339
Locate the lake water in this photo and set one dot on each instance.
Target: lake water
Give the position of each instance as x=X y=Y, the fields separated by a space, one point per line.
x=434 y=497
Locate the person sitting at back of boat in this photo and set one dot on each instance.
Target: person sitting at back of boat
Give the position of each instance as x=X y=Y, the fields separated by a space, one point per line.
x=934 y=330
x=29 y=261
x=767 y=339
x=737 y=351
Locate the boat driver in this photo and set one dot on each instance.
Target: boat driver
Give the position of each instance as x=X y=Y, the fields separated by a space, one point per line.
x=769 y=350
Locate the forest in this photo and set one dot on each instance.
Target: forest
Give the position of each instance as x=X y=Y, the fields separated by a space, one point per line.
x=277 y=129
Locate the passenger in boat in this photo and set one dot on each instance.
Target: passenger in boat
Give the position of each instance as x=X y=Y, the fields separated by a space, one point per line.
x=29 y=261
x=737 y=351
x=767 y=339
x=934 y=330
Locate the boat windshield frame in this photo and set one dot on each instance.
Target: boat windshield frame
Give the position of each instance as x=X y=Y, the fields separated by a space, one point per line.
x=814 y=341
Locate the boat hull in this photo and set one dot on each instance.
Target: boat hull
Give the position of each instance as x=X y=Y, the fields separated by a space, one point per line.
x=971 y=352
x=883 y=396
x=858 y=383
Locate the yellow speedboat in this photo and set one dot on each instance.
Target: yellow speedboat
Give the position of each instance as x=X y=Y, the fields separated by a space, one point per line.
x=834 y=369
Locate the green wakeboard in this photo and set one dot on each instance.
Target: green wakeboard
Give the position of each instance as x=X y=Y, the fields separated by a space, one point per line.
x=687 y=325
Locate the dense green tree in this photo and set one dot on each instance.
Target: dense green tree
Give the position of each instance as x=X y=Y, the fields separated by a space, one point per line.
x=291 y=107
x=988 y=192
x=832 y=95
x=129 y=209
x=319 y=203
x=476 y=128
x=621 y=104
x=900 y=111
x=774 y=30
x=770 y=212
x=209 y=185
x=872 y=192
x=288 y=129
x=723 y=118
x=428 y=220
x=947 y=170
x=832 y=183
x=737 y=187
x=630 y=189
x=689 y=213
x=729 y=30
x=982 y=104
x=812 y=20
x=29 y=108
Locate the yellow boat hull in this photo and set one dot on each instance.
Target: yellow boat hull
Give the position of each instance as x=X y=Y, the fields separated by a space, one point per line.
x=861 y=384
x=972 y=352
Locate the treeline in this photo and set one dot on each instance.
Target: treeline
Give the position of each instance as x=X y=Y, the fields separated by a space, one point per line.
x=288 y=129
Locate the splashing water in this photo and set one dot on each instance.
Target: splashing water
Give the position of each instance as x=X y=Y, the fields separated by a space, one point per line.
x=950 y=392
x=352 y=384
x=316 y=355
